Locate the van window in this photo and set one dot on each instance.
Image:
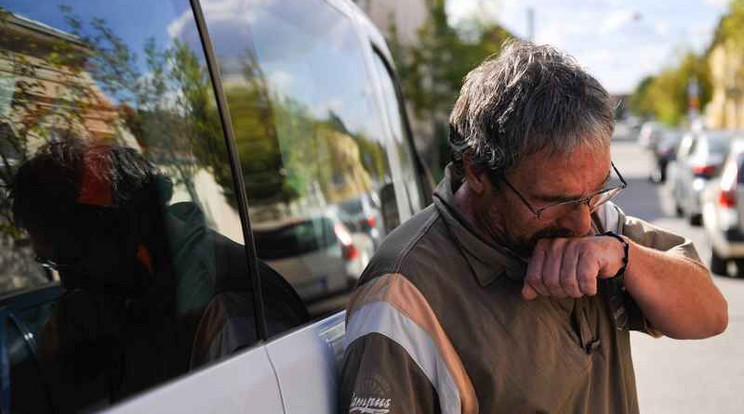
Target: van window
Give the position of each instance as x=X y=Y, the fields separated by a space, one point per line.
x=312 y=145
x=402 y=140
x=116 y=195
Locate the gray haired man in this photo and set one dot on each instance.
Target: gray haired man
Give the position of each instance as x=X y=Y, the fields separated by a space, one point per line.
x=515 y=291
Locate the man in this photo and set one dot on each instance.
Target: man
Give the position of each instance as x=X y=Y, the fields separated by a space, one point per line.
x=135 y=285
x=507 y=295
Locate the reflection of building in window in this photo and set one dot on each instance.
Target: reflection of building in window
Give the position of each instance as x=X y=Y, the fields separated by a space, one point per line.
x=45 y=85
x=45 y=94
x=342 y=175
x=52 y=86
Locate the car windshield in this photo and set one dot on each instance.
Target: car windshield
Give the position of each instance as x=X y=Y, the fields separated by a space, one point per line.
x=719 y=144
x=352 y=206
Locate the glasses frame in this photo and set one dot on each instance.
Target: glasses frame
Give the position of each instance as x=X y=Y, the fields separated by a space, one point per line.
x=585 y=200
x=54 y=265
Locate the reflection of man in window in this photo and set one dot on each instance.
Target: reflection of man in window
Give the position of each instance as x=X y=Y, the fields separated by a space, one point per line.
x=150 y=291
x=133 y=297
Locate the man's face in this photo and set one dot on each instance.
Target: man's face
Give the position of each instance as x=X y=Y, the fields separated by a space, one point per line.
x=94 y=263
x=544 y=179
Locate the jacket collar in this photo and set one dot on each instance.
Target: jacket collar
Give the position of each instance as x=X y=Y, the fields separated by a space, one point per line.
x=487 y=259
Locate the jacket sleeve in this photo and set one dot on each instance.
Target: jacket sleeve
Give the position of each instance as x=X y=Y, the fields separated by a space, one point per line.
x=379 y=376
x=656 y=238
x=626 y=313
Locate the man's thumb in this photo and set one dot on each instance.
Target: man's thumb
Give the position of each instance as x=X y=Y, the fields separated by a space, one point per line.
x=528 y=293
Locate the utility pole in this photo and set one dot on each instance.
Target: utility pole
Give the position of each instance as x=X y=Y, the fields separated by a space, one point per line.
x=531 y=24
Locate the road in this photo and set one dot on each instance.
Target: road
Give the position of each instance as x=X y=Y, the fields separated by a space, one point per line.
x=682 y=376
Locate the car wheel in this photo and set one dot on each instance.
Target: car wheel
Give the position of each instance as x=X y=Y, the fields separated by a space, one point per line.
x=718 y=265
x=695 y=219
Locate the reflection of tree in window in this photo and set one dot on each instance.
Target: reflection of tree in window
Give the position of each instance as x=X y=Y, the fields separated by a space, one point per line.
x=86 y=82
x=47 y=94
x=255 y=134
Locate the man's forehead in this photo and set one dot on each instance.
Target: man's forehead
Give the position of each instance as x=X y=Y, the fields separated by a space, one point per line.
x=578 y=171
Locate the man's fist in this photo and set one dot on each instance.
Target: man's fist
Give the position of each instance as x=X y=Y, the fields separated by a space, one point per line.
x=569 y=267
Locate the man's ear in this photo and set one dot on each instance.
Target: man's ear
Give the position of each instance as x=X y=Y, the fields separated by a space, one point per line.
x=475 y=177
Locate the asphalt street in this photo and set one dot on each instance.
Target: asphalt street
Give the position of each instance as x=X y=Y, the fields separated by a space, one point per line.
x=700 y=376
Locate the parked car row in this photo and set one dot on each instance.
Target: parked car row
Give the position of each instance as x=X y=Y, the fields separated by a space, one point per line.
x=704 y=171
x=723 y=212
x=698 y=160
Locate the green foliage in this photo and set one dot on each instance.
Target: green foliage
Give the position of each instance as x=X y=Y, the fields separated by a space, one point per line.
x=432 y=71
x=640 y=102
x=731 y=26
x=665 y=96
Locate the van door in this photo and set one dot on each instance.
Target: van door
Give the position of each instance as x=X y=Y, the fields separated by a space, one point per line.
x=243 y=384
x=307 y=363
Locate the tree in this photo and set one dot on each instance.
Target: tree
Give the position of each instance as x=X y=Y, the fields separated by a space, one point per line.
x=640 y=102
x=432 y=71
x=665 y=96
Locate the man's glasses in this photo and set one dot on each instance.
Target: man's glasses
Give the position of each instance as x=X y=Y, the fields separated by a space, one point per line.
x=593 y=201
x=56 y=265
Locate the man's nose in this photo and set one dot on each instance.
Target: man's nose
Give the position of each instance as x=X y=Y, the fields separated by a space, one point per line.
x=578 y=219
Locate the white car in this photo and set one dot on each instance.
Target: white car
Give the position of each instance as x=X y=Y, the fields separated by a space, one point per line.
x=651 y=134
x=723 y=212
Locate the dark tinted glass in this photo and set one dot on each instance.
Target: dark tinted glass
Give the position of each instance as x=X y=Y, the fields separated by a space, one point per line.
x=295 y=238
x=311 y=139
x=113 y=146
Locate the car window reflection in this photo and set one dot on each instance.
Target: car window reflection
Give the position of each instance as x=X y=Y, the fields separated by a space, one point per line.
x=116 y=183
x=313 y=152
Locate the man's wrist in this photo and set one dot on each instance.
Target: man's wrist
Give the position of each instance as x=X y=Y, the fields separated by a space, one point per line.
x=625 y=249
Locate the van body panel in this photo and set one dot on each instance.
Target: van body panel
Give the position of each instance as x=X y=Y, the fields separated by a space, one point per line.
x=307 y=363
x=243 y=384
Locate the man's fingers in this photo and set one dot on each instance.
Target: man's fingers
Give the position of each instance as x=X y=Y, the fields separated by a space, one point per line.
x=551 y=274
x=533 y=278
x=568 y=275
x=587 y=271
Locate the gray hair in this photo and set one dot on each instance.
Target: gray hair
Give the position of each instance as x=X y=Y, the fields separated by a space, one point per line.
x=527 y=99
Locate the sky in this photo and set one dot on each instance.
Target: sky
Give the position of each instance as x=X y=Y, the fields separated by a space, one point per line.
x=618 y=41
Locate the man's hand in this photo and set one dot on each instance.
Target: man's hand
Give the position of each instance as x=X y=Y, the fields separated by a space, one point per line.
x=569 y=267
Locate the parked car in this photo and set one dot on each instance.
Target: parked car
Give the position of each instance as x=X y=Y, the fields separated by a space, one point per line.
x=665 y=153
x=319 y=255
x=651 y=134
x=363 y=215
x=723 y=212
x=262 y=118
x=698 y=160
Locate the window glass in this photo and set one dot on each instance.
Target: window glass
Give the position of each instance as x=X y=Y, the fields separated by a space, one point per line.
x=115 y=183
x=402 y=140
x=685 y=146
x=719 y=144
x=694 y=143
x=740 y=167
x=312 y=146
